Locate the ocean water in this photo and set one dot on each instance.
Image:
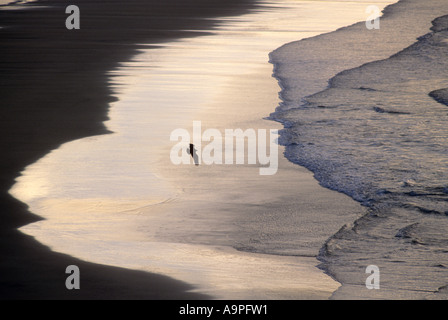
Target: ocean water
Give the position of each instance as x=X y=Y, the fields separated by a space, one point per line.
x=378 y=133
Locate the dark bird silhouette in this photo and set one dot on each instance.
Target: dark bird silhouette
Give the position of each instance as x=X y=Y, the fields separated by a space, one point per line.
x=194 y=154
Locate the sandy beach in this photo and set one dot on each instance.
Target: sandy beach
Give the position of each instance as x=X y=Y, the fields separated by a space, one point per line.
x=87 y=173
x=223 y=229
x=54 y=89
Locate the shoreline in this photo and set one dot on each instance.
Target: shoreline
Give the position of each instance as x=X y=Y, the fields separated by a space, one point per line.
x=289 y=214
x=402 y=25
x=106 y=281
x=44 y=96
x=311 y=206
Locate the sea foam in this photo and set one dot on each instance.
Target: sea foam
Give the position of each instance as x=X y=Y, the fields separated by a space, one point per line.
x=371 y=131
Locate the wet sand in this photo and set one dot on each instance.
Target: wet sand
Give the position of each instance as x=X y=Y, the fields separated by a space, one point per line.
x=227 y=230
x=54 y=89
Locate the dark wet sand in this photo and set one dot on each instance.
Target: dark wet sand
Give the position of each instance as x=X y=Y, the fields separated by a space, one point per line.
x=53 y=89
